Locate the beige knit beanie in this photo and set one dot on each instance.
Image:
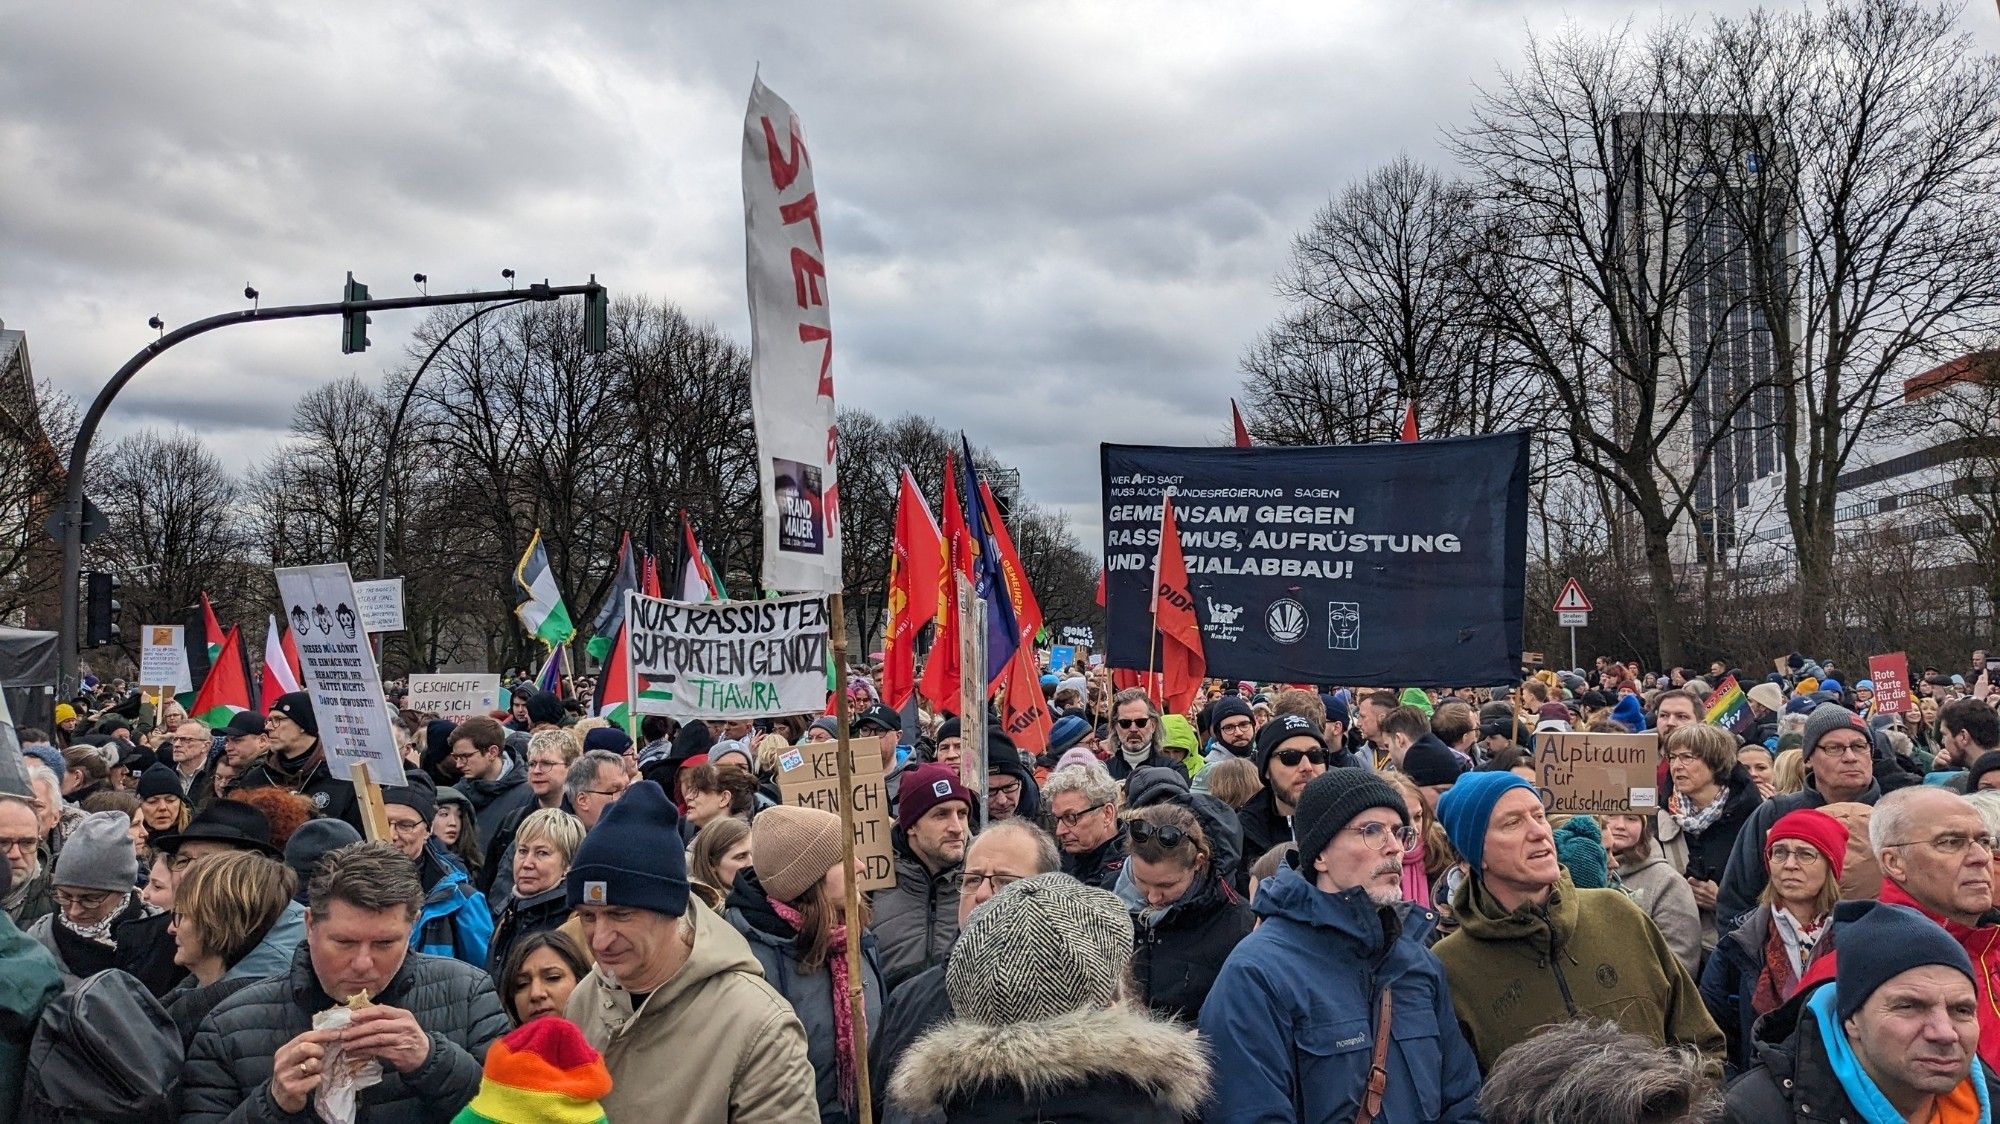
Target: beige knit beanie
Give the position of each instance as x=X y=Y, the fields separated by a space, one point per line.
x=791 y=848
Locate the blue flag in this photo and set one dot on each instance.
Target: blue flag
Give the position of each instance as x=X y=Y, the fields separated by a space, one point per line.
x=1003 y=630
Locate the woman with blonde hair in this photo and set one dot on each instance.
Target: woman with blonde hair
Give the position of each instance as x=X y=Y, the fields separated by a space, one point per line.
x=544 y=847
x=224 y=906
x=1233 y=781
x=1788 y=772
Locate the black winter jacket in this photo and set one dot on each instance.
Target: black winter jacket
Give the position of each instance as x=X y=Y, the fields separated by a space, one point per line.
x=229 y=1065
x=915 y=1009
x=189 y=1003
x=1099 y=867
x=1793 y=1080
x=916 y=919
x=520 y=917
x=1263 y=827
x=1119 y=768
x=141 y=946
x=1176 y=958
x=331 y=796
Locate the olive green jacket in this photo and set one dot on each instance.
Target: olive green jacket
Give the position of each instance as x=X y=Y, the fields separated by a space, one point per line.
x=1590 y=954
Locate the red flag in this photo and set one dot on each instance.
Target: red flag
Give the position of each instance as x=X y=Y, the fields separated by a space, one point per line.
x=1027 y=611
x=212 y=631
x=913 y=568
x=291 y=650
x=649 y=576
x=1024 y=714
x=1182 y=663
x=1410 y=420
x=1242 y=432
x=1100 y=587
x=940 y=682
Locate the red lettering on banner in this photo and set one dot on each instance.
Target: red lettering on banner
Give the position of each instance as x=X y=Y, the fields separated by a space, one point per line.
x=808 y=273
x=809 y=333
x=783 y=170
x=807 y=209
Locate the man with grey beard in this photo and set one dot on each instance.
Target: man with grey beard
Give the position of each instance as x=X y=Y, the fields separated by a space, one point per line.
x=1336 y=935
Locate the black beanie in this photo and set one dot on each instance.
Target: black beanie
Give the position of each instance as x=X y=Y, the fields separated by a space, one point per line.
x=950 y=728
x=1332 y=800
x=417 y=794
x=1227 y=706
x=159 y=780
x=1897 y=939
x=298 y=706
x=1283 y=728
x=1981 y=765
x=1429 y=761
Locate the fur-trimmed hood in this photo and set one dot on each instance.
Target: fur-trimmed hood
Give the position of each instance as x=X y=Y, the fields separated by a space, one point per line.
x=1054 y=1057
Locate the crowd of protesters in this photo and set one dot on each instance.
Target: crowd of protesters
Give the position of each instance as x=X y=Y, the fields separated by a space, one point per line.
x=1283 y=904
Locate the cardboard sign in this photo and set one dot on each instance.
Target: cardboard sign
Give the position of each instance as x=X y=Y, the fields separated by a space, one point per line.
x=338 y=671
x=809 y=776
x=163 y=658
x=380 y=604
x=1586 y=773
x=1891 y=676
x=456 y=697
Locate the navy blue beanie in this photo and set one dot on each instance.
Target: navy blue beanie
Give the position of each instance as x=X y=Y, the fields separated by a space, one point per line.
x=610 y=739
x=1067 y=731
x=1225 y=707
x=634 y=856
x=1465 y=809
x=1336 y=708
x=1898 y=939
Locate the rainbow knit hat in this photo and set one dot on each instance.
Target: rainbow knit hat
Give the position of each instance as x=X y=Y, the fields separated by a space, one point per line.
x=542 y=1071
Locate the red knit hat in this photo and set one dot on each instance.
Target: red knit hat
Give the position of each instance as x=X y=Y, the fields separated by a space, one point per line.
x=924 y=788
x=1813 y=826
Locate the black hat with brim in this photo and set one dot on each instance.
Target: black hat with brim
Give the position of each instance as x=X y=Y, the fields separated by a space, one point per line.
x=225 y=821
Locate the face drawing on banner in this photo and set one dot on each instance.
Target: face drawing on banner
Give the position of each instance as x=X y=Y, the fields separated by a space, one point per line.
x=1285 y=620
x=801 y=508
x=322 y=618
x=345 y=615
x=300 y=622
x=1343 y=625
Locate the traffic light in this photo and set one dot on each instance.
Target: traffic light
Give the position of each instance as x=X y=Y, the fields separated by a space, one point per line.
x=597 y=319
x=353 y=325
x=101 y=616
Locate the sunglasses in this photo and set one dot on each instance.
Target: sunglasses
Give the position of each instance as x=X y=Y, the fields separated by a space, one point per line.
x=1167 y=834
x=1291 y=757
x=1133 y=723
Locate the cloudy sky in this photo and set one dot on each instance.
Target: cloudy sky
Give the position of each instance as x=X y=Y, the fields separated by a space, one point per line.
x=1050 y=224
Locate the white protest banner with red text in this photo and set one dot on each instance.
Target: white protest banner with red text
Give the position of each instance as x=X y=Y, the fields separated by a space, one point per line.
x=1890 y=676
x=791 y=352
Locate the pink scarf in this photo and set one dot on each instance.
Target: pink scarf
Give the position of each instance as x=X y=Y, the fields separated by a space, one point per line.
x=1416 y=884
x=843 y=1010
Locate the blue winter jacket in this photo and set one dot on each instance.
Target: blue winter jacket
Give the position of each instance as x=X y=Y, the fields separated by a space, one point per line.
x=455 y=922
x=1292 y=1016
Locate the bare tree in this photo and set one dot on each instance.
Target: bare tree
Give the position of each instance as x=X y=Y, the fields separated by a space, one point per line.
x=1878 y=126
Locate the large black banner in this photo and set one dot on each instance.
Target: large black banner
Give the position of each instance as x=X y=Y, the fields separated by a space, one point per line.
x=1360 y=565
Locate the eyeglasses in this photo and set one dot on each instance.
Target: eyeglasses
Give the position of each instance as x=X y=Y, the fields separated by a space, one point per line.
x=1291 y=757
x=1168 y=835
x=1848 y=749
x=25 y=844
x=67 y=900
x=1003 y=789
x=1679 y=757
x=1950 y=844
x=533 y=765
x=1133 y=723
x=407 y=827
x=1804 y=856
x=1073 y=818
x=1236 y=725
x=969 y=884
x=613 y=793
x=1377 y=835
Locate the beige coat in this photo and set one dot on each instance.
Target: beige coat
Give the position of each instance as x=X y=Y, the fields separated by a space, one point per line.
x=713 y=1045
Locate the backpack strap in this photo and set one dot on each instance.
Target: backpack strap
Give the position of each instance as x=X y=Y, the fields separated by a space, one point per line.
x=1378 y=1066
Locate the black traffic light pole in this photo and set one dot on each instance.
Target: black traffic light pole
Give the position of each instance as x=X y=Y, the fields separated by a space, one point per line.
x=79 y=453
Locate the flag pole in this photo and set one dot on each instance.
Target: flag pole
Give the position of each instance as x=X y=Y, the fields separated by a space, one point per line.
x=631 y=672
x=836 y=607
x=1156 y=685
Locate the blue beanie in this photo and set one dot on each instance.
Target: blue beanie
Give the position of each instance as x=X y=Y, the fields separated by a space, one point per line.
x=610 y=739
x=1580 y=848
x=1465 y=809
x=1067 y=731
x=1336 y=707
x=634 y=857
x=1630 y=712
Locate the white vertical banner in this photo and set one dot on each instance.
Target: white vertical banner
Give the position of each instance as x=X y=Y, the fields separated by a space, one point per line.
x=338 y=668
x=791 y=351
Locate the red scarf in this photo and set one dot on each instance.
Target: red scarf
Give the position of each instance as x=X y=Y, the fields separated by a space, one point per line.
x=843 y=1009
x=1777 y=981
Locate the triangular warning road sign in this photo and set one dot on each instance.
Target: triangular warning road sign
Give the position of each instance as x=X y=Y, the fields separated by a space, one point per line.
x=1571 y=599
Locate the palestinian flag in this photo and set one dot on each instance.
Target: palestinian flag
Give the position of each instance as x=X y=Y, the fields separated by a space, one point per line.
x=611 y=618
x=613 y=701
x=212 y=630
x=543 y=614
x=226 y=691
x=699 y=581
x=543 y=1070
